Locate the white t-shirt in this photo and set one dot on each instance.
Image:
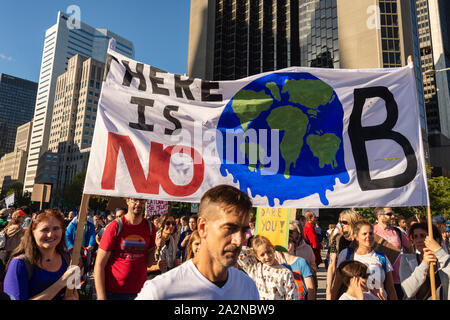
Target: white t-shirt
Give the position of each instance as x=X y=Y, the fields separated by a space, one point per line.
x=374 y=267
x=367 y=296
x=185 y=282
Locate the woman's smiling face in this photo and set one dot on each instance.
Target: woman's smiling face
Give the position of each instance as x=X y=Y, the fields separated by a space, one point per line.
x=48 y=233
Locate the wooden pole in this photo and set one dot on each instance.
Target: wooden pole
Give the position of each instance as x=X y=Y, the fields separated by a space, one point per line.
x=432 y=276
x=82 y=217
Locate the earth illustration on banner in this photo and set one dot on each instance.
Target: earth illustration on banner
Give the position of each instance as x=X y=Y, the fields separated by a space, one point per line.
x=309 y=155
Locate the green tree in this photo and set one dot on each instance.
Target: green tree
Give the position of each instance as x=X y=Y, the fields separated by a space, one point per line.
x=72 y=193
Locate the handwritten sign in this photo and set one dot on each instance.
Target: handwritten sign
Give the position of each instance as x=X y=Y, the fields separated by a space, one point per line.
x=273 y=223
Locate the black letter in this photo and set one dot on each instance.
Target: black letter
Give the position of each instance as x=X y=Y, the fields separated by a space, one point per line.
x=155 y=81
x=183 y=84
x=359 y=135
x=129 y=75
x=206 y=94
x=109 y=58
x=175 y=121
x=142 y=103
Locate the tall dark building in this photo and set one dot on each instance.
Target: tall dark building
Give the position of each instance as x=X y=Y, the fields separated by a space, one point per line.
x=17 y=99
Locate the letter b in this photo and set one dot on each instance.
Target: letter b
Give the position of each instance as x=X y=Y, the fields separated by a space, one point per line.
x=359 y=135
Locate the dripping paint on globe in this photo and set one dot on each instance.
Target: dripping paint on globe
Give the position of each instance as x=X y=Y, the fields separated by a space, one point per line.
x=305 y=116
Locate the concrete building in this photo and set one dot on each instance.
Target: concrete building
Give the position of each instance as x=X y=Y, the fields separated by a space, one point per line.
x=74 y=114
x=12 y=165
x=62 y=41
x=17 y=99
x=433 y=17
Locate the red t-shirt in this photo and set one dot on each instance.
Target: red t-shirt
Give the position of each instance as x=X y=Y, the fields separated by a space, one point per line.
x=126 y=271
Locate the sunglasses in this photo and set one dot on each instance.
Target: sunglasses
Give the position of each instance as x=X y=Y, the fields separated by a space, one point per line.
x=343 y=222
x=170 y=223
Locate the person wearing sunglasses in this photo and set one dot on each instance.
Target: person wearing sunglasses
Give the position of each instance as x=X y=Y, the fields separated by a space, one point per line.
x=342 y=240
x=395 y=237
x=166 y=248
x=414 y=267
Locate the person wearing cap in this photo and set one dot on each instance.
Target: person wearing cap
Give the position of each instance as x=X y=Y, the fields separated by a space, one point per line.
x=395 y=237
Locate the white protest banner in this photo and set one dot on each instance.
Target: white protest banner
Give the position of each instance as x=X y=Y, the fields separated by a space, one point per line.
x=9 y=200
x=293 y=138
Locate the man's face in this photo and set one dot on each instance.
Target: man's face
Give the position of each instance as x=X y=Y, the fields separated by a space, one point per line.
x=136 y=206
x=223 y=234
x=386 y=217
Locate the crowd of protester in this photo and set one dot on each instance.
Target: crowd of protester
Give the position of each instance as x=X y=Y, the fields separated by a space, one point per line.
x=128 y=255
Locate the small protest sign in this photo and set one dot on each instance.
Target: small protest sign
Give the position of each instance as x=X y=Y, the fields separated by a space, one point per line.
x=273 y=223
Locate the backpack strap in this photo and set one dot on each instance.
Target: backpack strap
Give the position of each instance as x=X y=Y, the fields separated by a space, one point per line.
x=120 y=226
x=350 y=254
x=382 y=257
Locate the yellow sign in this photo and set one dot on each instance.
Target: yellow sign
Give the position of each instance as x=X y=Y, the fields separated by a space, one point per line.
x=273 y=223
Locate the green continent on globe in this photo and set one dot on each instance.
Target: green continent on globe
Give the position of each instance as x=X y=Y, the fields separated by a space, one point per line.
x=324 y=148
x=272 y=86
x=294 y=123
x=309 y=93
x=254 y=152
x=248 y=105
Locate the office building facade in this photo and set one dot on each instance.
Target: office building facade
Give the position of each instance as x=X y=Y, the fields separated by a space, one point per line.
x=12 y=165
x=74 y=114
x=433 y=17
x=17 y=99
x=62 y=41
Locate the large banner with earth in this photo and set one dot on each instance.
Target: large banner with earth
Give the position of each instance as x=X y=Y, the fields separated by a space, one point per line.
x=293 y=138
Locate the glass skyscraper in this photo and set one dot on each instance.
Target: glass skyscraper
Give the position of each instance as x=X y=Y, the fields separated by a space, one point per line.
x=17 y=99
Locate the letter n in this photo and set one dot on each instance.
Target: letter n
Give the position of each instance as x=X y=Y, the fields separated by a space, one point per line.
x=115 y=143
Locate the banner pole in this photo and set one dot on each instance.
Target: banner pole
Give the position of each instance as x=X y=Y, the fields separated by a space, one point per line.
x=82 y=217
x=432 y=276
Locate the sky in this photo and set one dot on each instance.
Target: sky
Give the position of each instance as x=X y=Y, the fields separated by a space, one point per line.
x=159 y=30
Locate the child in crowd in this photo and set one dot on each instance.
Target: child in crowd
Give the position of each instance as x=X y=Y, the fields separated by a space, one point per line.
x=193 y=245
x=274 y=281
x=354 y=275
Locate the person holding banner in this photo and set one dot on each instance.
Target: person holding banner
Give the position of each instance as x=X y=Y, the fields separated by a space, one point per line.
x=380 y=281
x=223 y=220
x=39 y=267
x=126 y=249
x=415 y=267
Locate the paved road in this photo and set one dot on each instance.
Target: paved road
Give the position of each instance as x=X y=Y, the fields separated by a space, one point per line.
x=322 y=279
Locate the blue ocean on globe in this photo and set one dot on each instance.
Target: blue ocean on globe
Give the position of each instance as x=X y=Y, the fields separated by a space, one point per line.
x=308 y=116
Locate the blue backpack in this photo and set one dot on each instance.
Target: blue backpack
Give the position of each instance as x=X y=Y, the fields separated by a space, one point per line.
x=381 y=256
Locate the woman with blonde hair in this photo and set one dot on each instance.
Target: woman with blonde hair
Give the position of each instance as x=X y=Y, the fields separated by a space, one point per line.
x=340 y=241
x=39 y=268
x=193 y=245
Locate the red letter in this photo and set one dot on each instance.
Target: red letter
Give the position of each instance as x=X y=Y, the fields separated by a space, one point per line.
x=158 y=171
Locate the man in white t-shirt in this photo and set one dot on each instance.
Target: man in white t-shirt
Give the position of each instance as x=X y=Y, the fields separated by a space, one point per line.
x=223 y=220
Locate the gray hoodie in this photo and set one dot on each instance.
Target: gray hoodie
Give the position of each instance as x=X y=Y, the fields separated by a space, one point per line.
x=412 y=275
